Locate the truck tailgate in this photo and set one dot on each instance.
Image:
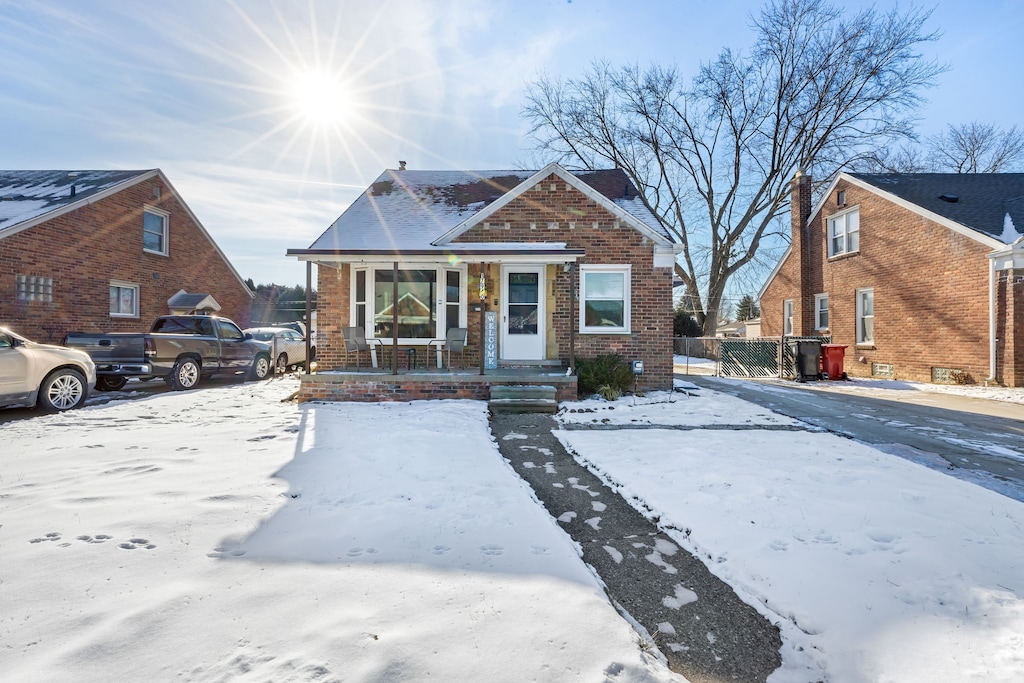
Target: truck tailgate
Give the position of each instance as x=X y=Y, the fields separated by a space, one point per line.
x=110 y=347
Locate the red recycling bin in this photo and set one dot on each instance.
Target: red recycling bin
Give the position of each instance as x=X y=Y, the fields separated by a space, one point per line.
x=832 y=360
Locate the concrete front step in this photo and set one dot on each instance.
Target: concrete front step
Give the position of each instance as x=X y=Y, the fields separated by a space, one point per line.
x=523 y=398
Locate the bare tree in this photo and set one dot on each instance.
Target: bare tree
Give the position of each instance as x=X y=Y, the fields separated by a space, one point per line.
x=976 y=148
x=713 y=157
x=905 y=158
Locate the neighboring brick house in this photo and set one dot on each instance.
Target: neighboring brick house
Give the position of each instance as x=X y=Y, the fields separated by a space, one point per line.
x=574 y=264
x=920 y=275
x=95 y=251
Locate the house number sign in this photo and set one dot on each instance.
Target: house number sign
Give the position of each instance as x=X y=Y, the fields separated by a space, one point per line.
x=490 y=340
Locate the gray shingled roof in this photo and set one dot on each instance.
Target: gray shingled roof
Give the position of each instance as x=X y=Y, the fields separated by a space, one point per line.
x=983 y=199
x=25 y=195
x=407 y=210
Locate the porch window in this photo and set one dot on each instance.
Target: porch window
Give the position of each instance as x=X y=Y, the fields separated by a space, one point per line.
x=787 y=316
x=452 y=299
x=865 y=316
x=604 y=299
x=360 y=299
x=844 y=232
x=821 y=311
x=417 y=304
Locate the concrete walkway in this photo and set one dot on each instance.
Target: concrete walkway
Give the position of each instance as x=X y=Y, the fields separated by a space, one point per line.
x=707 y=633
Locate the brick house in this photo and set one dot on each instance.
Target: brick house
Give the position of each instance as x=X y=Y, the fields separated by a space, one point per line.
x=566 y=264
x=95 y=251
x=920 y=275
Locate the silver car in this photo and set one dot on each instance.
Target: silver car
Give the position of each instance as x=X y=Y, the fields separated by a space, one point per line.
x=288 y=347
x=50 y=377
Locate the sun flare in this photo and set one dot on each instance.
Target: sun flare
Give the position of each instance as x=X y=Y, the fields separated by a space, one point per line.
x=321 y=98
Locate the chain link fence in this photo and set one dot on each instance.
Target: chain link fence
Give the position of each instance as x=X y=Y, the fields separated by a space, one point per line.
x=738 y=357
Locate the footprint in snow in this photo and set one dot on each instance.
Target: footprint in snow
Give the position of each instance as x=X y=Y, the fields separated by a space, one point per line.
x=440 y=549
x=492 y=549
x=539 y=550
x=779 y=545
x=52 y=536
x=134 y=543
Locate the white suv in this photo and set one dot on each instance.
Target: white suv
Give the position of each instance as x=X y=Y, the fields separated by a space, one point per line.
x=51 y=377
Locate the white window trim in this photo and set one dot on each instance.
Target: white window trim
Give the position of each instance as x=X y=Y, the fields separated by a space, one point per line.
x=787 y=316
x=861 y=316
x=846 y=233
x=818 y=298
x=146 y=208
x=125 y=285
x=440 y=303
x=627 y=270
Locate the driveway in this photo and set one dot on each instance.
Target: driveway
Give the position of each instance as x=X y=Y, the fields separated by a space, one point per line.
x=980 y=440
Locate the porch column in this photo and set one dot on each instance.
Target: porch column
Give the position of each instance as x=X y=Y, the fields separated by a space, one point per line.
x=483 y=314
x=573 y=317
x=309 y=315
x=394 y=319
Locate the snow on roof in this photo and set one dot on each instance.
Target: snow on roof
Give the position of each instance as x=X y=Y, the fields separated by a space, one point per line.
x=407 y=210
x=25 y=195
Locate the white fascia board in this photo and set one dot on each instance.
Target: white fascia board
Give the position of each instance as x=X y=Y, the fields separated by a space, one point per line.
x=1010 y=256
x=958 y=228
x=775 y=271
x=85 y=201
x=520 y=258
x=203 y=230
x=568 y=177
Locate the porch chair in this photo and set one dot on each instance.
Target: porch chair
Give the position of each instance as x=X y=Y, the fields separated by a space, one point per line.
x=356 y=341
x=455 y=340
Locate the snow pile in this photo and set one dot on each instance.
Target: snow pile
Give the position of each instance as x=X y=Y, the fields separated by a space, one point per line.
x=222 y=534
x=876 y=568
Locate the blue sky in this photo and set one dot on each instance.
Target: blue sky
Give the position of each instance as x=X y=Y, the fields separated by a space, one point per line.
x=270 y=117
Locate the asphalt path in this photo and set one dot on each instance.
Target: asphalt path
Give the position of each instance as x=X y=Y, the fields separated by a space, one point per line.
x=977 y=439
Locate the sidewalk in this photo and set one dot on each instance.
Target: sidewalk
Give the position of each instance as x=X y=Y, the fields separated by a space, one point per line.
x=706 y=632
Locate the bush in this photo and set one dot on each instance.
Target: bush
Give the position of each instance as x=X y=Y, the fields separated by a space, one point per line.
x=605 y=375
x=685 y=325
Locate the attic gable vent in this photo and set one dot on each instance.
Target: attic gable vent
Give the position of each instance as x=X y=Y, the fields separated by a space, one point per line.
x=951 y=198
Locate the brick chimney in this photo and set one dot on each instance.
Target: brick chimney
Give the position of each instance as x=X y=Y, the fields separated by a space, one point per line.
x=799 y=212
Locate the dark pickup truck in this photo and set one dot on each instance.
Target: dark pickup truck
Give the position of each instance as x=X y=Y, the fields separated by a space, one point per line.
x=179 y=348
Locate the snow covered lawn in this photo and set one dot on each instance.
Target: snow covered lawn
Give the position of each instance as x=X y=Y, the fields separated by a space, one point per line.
x=878 y=569
x=224 y=535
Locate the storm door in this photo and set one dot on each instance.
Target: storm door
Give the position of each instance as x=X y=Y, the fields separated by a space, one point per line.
x=522 y=312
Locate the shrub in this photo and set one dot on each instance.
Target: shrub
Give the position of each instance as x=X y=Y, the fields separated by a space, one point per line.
x=685 y=325
x=604 y=375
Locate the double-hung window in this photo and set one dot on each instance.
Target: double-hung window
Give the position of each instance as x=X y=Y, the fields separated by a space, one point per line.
x=844 y=232
x=154 y=230
x=124 y=300
x=604 y=299
x=865 y=316
x=821 y=311
x=787 y=317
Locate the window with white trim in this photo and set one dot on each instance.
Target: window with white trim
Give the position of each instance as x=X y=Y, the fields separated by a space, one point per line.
x=865 y=316
x=430 y=300
x=821 y=311
x=124 y=300
x=844 y=232
x=154 y=230
x=605 y=299
x=32 y=288
x=787 y=316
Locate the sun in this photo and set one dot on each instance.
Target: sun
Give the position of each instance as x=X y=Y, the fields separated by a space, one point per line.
x=321 y=98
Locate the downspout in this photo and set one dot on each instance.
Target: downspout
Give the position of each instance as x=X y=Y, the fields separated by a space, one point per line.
x=309 y=317
x=394 y=319
x=992 y=341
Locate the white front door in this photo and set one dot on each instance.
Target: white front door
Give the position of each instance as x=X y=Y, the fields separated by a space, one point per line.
x=522 y=313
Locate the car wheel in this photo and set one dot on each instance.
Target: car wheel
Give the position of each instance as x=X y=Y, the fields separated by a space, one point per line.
x=184 y=374
x=282 y=364
x=62 y=390
x=260 y=368
x=110 y=382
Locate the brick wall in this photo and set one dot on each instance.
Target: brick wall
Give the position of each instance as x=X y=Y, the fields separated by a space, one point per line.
x=930 y=292
x=374 y=388
x=83 y=250
x=553 y=211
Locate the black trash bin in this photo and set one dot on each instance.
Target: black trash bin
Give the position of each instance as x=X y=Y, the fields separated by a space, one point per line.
x=808 y=360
